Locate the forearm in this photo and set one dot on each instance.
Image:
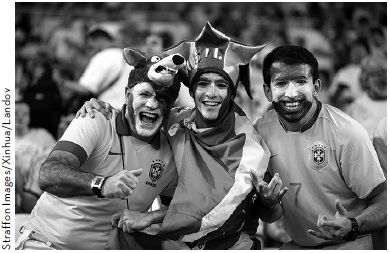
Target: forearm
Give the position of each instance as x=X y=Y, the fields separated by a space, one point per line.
x=64 y=181
x=374 y=217
x=157 y=216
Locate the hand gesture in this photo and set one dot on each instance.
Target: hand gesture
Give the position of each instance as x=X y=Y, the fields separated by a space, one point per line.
x=99 y=105
x=131 y=220
x=121 y=184
x=334 y=229
x=270 y=194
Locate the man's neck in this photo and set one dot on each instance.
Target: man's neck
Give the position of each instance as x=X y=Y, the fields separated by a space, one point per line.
x=201 y=122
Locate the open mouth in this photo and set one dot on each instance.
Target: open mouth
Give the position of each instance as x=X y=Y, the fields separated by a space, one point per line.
x=164 y=70
x=148 y=118
x=292 y=106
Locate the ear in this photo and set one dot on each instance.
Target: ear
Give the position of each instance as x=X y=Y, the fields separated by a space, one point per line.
x=127 y=92
x=133 y=56
x=267 y=92
x=317 y=87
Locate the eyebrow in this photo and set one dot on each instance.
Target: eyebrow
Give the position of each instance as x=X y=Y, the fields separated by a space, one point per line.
x=222 y=80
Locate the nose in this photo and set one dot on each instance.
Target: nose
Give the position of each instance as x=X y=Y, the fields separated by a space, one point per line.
x=291 y=90
x=177 y=59
x=152 y=103
x=211 y=90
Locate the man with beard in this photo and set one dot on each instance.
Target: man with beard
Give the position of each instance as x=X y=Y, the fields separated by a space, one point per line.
x=99 y=167
x=220 y=157
x=337 y=188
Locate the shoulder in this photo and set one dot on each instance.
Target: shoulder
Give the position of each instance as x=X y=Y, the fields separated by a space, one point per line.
x=340 y=122
x=177 y=114
x=381 y=129
x=109 y=53
x=266 y=121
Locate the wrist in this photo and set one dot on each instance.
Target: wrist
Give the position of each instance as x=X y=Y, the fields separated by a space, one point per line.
x=97 y=185
x=354 y=232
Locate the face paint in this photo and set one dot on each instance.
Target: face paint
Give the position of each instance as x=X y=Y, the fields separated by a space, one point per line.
x=292 y=91
x=212 y=95
x=145 y=111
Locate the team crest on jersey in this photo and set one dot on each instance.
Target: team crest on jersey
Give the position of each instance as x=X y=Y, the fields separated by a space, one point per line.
x=319 y=155
x=156 y=169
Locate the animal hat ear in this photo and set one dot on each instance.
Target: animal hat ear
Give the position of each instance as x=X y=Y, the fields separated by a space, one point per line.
x=133 y=56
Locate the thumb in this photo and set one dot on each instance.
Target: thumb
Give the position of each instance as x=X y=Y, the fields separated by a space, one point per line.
x=255 y=179
x=339 y=207
x=115 y=218
x=137 y=172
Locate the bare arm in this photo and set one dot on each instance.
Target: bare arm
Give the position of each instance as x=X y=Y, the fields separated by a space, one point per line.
x=374 y=216
x=60 y=175
x=132 y=220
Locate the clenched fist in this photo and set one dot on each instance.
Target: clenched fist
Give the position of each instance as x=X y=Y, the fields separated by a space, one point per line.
x=121 y=184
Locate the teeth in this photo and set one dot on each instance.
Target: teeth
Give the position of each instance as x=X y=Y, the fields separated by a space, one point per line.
x=211 y=103
x=165 y=70
x=150 y=115
x=292 y=105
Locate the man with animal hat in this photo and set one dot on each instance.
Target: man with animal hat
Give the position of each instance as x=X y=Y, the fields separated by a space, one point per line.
x=99 y=167
x=220 y=158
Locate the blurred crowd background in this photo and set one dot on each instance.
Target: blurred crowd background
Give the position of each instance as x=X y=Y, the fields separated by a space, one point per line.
x=349 y=40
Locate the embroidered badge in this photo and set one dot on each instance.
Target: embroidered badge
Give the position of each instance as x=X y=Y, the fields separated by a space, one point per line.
x=156 y=169
x=319 y=155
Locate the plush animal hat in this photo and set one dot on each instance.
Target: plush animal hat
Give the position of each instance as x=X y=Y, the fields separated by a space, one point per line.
x=163 y=72
x=213 y=51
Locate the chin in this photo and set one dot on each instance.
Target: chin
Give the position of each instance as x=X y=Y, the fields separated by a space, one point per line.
x=148 y=131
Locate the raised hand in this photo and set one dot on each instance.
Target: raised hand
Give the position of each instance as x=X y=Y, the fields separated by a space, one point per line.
x=99 y=105
x=333 y=229
x=121 y=184
x=270 y=194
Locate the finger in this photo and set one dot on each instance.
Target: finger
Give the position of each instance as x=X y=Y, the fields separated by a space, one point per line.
x=108 y=109
x=282 y=193
x=331 y=224
x=278 y=186
x=262 y=188
x=137 y=172
x=77 y=114
x=127 y=190
x=120 y=223
x=96 y=103
x=89 y=110
x=255 y=179
x=339 y=207
x=116 y=217
x=273 y=182
x=82 y=112
x=316 y=234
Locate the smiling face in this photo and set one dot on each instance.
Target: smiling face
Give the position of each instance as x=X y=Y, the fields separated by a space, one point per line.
x=292 y=91
x=212 y=95
x=145 y=110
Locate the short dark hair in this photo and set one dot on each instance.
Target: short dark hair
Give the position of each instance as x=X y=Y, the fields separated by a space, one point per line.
x=291 y=55
x=99 y=33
